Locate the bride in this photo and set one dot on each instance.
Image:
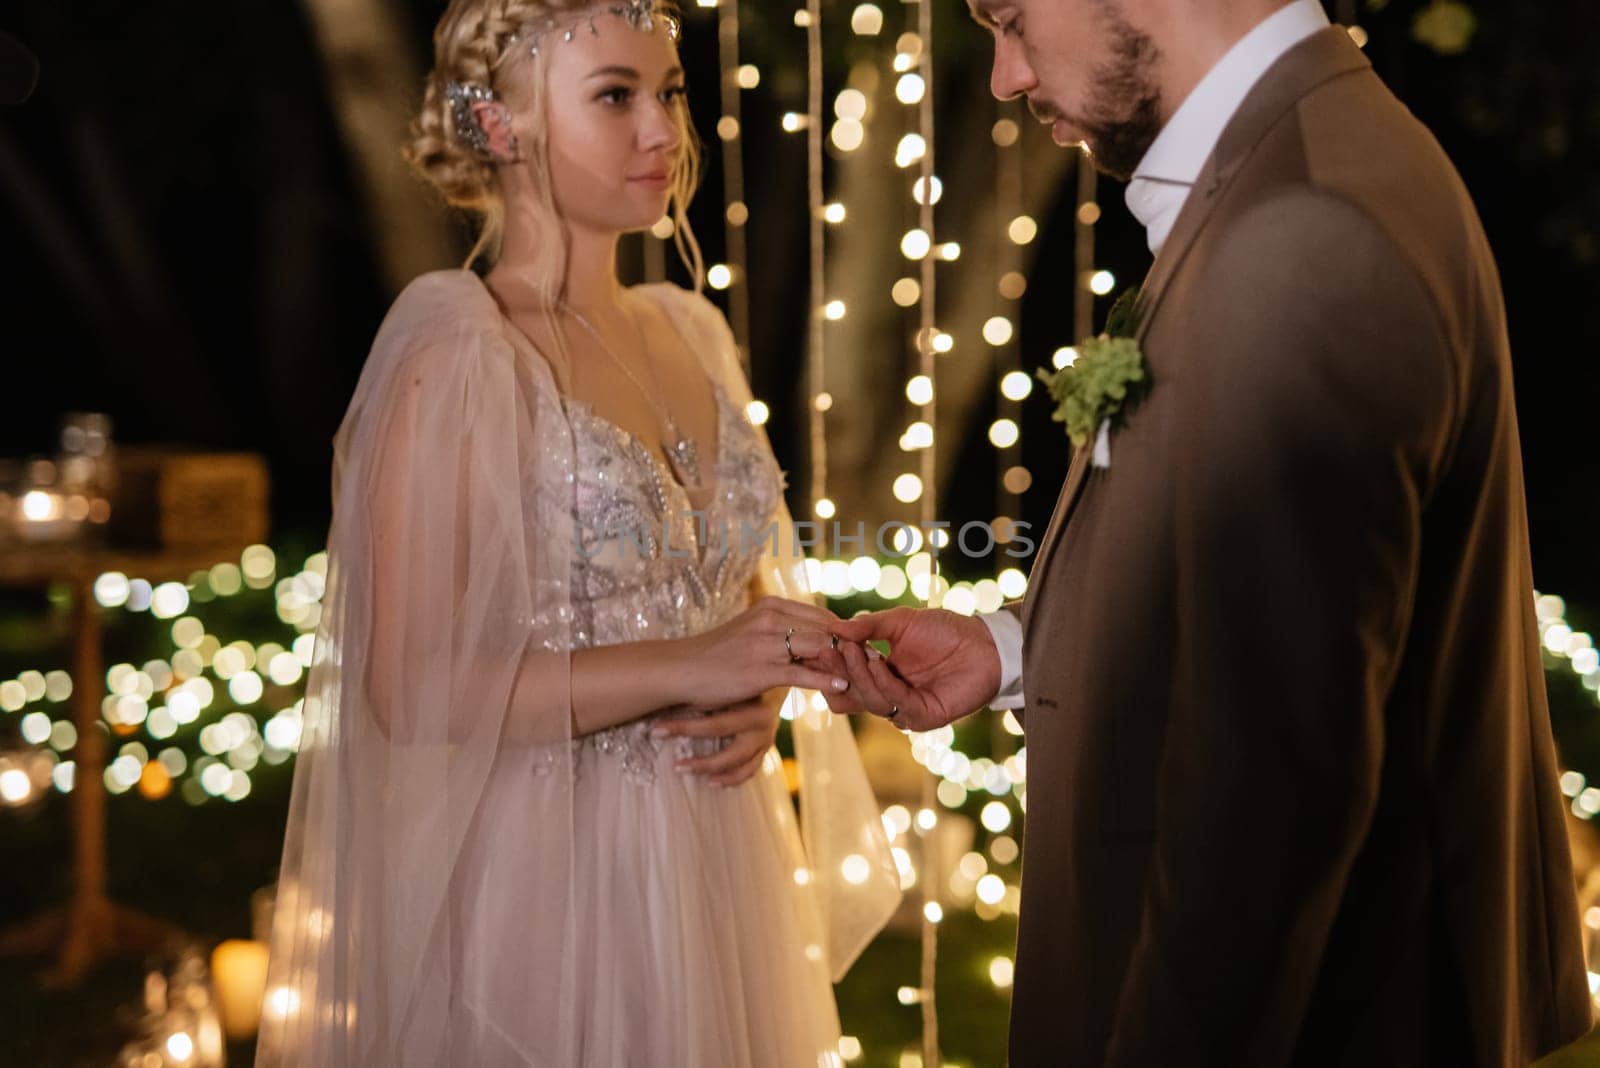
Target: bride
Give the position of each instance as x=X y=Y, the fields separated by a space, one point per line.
x=537 y=818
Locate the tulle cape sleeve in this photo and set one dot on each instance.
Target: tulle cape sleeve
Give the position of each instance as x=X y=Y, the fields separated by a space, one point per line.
x=441 y=660
x=422 y=909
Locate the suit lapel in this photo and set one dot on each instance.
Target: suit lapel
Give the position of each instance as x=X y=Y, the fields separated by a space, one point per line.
x=1190 y=220
x=1321 y=57
x=1077 y=475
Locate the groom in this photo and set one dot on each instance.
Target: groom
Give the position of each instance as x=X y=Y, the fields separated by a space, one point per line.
x=1292 y=792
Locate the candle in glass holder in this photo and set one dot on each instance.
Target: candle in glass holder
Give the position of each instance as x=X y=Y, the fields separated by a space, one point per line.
x=41 y=516
x=239 y=973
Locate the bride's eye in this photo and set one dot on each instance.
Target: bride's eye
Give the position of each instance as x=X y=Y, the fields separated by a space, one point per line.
x=674 y=94
x=617 y=94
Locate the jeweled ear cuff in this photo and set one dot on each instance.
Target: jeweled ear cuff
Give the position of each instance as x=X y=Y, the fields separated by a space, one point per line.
x=468 y=130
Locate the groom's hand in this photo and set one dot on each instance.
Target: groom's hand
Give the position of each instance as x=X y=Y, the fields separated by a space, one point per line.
x=941 y=666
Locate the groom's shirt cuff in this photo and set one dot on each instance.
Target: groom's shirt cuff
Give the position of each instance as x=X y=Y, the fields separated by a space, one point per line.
x=1007 y=632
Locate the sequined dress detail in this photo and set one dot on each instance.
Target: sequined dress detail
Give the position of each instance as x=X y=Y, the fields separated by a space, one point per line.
x=697 y=951
x=652 y=566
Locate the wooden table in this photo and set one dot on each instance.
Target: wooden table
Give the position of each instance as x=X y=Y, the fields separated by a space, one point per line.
x=90 y=927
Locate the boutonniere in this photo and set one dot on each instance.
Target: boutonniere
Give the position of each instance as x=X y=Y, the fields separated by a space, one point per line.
x=1097 y=392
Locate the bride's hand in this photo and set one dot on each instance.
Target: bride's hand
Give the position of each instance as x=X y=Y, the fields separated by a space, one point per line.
x=751 y=654
x=750 y=728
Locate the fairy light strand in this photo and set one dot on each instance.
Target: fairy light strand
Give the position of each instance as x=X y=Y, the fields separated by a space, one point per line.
x=1083 y=221
x=736 y=213
x=930 y=497
x=224 y=771
x=817 y=354
x=1008 y=357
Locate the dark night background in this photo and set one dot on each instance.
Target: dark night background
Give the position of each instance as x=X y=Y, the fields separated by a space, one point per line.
x=189 y=249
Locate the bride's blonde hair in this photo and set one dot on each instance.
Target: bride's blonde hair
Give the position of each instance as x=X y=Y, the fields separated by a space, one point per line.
x=474 y=44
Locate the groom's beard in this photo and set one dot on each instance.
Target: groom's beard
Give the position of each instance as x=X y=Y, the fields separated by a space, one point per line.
x=1123 y=115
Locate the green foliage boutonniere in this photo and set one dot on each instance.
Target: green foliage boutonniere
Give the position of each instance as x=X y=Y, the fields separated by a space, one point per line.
x=1099 y=390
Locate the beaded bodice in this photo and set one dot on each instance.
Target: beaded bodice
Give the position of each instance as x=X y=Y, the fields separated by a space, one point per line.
x=653 y=565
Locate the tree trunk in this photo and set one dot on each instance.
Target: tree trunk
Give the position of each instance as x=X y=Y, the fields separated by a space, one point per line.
x=375 y=87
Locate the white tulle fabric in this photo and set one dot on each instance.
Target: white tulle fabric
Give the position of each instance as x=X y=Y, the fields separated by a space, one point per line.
x=463 y=882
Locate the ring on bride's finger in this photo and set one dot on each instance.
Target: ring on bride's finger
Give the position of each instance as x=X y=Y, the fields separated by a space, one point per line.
x=790 y=648
x=894 y=710
x=833 y=641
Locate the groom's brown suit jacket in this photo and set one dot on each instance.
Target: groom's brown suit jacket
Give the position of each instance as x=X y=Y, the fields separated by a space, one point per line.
x=1292 y=792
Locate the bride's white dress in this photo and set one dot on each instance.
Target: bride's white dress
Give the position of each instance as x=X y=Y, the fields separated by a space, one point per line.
x=697 y=952
x=463 y=882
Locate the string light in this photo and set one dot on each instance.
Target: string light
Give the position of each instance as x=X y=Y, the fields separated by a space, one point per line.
x=913 y=148
x=850 y=106
x=164 y=695
x=1001 y=335
x=867 y=20
x=998 y=331
x=848 y=135
x=921 y=45
x=160 y=696
x=1083 y=248
x=1016 y=386
x=1022 y=230
x=736 y=213
x=910 y=88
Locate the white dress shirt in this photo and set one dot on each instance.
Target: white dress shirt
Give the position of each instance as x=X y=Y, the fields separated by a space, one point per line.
x=1161 y=183
x=1158 y=192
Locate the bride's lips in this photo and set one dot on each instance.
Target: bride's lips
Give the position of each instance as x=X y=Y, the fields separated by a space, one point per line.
x=657 y=180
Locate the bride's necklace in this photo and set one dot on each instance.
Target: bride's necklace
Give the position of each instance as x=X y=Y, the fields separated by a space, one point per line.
x=683 y=452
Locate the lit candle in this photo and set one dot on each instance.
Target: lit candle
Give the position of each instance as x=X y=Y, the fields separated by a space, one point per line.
x=41 y=516
x=239 y=973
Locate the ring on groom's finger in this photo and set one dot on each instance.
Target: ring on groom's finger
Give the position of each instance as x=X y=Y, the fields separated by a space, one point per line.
x=833 y=641
x=894 y=710
x=788 y=647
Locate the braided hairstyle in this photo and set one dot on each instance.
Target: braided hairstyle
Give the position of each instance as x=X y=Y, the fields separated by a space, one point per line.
x=473 y=44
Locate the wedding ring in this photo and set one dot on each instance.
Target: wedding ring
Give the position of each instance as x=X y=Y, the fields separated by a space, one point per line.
x=789 y=648
x=894 y=710
x=833 y=641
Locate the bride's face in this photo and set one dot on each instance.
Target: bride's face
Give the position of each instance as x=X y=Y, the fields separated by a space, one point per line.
x=617 y=123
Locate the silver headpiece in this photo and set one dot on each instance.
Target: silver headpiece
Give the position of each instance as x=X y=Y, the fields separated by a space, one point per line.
x=640 y=14
x=462 y=95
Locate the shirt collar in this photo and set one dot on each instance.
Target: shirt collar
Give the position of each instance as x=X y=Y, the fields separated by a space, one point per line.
x=1162 y=181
